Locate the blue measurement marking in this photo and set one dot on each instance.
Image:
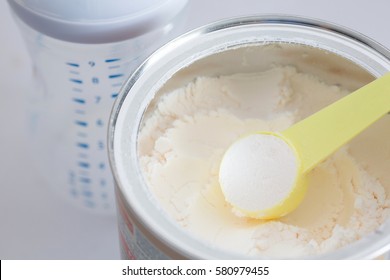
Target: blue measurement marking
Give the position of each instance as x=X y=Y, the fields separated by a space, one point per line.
x=83 y=164
x=114 y=76
x=112 y=60
x=81 y=123
x=114 y=95
x=102 y=166
x=103 y=182
x=99 y=123
x=87 y=193
x=97 y=99
x=85 y=180
x=74 y=72
x=73 y=64
x=89 y=204
x=77 y=81
x=79 y=100
x=83 y=145
x=100 y=145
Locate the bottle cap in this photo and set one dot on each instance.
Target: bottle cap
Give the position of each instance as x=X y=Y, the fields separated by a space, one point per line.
x=96 y=21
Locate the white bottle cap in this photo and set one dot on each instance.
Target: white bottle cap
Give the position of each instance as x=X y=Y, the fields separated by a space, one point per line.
x=96 y=21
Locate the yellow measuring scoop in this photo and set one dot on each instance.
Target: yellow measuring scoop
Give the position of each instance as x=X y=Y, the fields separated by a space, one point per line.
x=312 y=140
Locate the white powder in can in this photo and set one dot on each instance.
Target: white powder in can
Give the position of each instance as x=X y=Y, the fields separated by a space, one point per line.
x=184 y=138
x=258 y=172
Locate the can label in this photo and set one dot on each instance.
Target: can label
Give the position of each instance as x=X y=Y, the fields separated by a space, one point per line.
x=134 y=245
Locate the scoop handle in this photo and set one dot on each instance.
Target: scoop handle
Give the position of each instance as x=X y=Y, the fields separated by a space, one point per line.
x=321 y=134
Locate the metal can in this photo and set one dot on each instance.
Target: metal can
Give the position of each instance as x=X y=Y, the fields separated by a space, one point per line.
x=218 y=48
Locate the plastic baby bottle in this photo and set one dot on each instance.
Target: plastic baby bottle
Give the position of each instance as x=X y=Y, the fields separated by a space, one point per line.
x=82 y=50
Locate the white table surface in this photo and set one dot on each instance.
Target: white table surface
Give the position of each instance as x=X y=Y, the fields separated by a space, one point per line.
x=34 y=222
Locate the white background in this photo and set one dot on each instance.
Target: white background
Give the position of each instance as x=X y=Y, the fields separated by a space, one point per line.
x=34 y=222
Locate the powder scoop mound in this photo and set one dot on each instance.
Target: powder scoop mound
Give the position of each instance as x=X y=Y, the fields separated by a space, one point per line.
x=257 y=173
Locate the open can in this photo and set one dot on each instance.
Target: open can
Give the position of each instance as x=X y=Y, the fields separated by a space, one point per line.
x=237 y=45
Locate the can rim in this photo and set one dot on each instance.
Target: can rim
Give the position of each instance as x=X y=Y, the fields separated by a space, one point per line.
x=365 y=245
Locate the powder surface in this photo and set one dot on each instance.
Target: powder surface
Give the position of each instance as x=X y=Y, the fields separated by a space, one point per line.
x=183 y=140
x=258 y=172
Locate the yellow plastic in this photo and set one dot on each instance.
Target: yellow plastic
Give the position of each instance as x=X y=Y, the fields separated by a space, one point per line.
x=291 y=202
x=321 y=134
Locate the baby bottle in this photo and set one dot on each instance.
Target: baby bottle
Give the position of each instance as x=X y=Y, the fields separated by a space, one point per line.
x=82 y=50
